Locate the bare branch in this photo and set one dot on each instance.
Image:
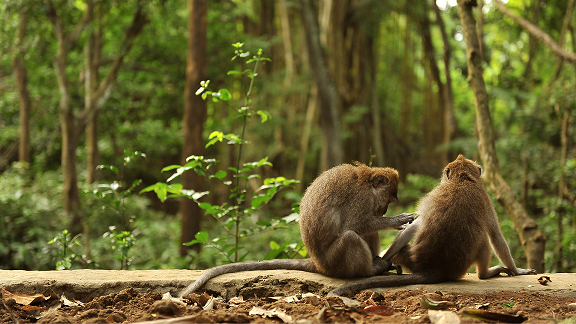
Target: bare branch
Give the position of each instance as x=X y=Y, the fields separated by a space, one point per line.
x=101 y=94
x=537 y=32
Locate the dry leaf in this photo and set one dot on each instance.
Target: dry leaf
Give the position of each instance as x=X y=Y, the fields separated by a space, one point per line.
x=271 y=313
x=209 y=304
x=26 y=299
x=427 y=302
x=71 y=303
x=493 y=316
x=442 y=317
x=544 y=280
x=379 y=310
x=235 y=301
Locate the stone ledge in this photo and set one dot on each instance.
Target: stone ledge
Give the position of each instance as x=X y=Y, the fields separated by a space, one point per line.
x=87 y=284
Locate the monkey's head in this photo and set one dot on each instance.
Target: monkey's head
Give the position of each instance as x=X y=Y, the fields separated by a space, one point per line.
x=383 y=184
x=462 y=169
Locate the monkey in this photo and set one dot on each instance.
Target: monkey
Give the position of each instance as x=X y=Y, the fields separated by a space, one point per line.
x=341 y=213
x=454 y=228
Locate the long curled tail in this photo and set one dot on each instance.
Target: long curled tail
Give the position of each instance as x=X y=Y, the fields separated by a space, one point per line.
x=385 y=281
x=286 y=264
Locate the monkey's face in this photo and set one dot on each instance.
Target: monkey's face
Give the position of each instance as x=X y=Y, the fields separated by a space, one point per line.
x=384 y=184
x=462 y=169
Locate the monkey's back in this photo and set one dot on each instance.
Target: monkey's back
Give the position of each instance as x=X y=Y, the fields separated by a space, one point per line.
x=453 y=229
x=330 y=205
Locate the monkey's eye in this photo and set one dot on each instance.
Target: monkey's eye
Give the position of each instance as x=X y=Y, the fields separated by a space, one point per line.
x=447 y=171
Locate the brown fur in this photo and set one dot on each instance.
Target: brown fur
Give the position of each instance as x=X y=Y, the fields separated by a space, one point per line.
x=457 y=224
x=340 y=216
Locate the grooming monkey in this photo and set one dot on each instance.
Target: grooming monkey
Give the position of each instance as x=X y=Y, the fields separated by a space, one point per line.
x=340 y=216
x=455 y=227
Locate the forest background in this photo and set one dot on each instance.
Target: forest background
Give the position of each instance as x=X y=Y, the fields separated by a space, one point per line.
x=97 y=97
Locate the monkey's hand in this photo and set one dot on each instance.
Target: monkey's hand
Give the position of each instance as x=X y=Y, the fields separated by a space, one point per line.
x=410 y=216
x=381 y=266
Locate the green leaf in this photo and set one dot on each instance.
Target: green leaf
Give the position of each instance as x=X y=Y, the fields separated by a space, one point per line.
x=171 y=167
x=258 y=201
x=108 y=167
x=225 y=95
x=221 y=175
x=202 y=237
x=233 y=72
x=274 y=245
x=205 y=205
x=264 y=115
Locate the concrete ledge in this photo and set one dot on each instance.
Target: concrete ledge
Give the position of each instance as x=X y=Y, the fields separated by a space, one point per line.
x=87 y=284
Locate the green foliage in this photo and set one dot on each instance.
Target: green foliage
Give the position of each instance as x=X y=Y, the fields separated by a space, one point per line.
x=122 y=242
x=66 y=244
x=230 y=216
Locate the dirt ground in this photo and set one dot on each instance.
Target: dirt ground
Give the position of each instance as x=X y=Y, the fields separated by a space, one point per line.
x=395 y=306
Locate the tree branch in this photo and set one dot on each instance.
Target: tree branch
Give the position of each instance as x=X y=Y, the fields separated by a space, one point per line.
x=538 y=33
x=102 y=93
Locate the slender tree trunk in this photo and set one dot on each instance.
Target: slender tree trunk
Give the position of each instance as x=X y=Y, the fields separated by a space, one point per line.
x=21 y=77
x=532 y=240
x=92 y=54
x=194 y=117
x=72 y=125
x=332 y=153
x=305 y=139
x=449 y=119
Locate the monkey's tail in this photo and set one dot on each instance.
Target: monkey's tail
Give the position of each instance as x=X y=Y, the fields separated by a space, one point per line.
x=385 y=281
x=286 y=264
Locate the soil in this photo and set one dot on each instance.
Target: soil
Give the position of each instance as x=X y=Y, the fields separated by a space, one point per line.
x=398 y=306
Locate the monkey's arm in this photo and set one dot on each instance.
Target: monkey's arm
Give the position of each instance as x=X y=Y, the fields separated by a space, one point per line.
x=402 y=239
x=502 y=251
x=379 y=223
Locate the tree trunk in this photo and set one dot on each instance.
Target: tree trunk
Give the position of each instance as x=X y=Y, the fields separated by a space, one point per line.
x=194 y=117
x=332 y=153
x=92 y=54
x=21 y=77
x=449 y=119
x=73 y=125
x=532 y=240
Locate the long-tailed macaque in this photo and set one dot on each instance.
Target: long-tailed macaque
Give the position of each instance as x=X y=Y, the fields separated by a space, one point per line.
x=340 y=216
x=455 y=226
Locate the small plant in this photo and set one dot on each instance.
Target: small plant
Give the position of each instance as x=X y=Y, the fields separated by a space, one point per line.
x=115 y=192
x=66 y=243
x=122 y=242
x=230 y=216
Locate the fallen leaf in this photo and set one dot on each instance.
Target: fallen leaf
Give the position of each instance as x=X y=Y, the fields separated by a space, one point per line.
x=311 y=298
x=379 y=310
x=481 y=306
x=235 y=301
x=544 y=280
x=493 y=316
x=442 y=317
x=271 y=313
x=427 y=302
x=209 y=304
x=71 y=303
x=26 y=299
x=32 y=308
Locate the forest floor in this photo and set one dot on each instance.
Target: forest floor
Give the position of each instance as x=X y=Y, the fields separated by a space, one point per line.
x=275 y=297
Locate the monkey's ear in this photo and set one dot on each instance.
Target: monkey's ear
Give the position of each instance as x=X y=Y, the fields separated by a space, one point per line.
x=480 y=168
x=379 y=180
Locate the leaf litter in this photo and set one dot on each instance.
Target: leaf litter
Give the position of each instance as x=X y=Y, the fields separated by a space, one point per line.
x=394 y=306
